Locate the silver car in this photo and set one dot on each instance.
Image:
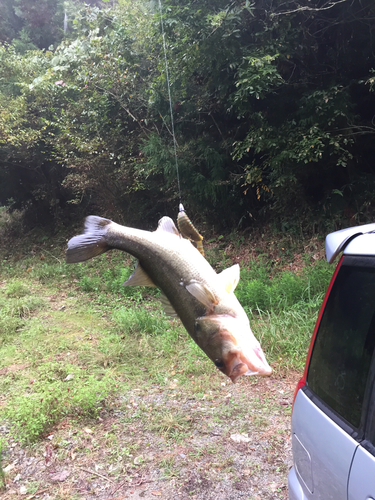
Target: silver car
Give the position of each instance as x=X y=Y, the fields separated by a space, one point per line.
x=333 y=419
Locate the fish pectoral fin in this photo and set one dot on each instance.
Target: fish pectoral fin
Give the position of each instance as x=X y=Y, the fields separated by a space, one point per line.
x=202 y=293
x=139 y=278
x=167 y=306
x=230 y=277
x=167 y=225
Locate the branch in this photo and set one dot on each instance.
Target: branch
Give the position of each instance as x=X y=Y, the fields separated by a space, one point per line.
x=312 y=9
x=358 y=130
x=217 y=126
x=123 y=106
x=169 y=130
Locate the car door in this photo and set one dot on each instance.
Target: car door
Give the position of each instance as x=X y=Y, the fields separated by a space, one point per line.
x=329 y=417
x=323 y=449
x=361 y=485
x=362 y=475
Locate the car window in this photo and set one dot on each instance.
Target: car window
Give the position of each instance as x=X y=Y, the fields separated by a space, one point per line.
x=345 y=340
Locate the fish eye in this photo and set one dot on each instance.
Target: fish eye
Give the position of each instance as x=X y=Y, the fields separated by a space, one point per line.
x=219 y=363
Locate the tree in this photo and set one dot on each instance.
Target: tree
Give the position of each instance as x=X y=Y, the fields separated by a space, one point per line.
x=272 y=107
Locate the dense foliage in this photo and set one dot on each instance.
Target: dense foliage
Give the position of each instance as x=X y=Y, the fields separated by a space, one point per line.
x=273 y=108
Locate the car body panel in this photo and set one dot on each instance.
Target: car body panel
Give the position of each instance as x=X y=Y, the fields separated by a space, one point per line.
x=325 y=477
x=362 y=245
x=294 y=487
x=361 y=484
x=338 y=241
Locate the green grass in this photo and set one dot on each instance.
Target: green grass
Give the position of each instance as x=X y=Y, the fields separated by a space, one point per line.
x=61 y=390
x=72 y=337
x=261 y=289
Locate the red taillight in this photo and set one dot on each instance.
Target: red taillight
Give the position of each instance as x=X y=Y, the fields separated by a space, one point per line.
x=302 y=381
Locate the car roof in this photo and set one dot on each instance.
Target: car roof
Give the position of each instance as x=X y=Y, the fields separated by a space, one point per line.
x=358 y=240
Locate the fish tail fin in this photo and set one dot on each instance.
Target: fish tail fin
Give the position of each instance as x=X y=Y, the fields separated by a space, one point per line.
x=89 y=244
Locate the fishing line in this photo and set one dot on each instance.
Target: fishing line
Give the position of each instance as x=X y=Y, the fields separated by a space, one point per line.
x=184 y=224
x=170 y=100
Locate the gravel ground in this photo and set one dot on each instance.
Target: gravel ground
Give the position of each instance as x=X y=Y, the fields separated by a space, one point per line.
x=164 y=443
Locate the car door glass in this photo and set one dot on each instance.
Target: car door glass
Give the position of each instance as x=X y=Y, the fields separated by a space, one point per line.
x=345 y=340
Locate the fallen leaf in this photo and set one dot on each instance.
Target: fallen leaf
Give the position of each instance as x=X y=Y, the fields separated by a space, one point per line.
x=156 y=493
x=88 y=431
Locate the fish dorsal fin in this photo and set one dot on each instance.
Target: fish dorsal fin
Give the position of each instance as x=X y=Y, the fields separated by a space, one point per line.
x=230 y=277
x=139 y=278
x=167 y=306
x=202 y=293
x=167 y=225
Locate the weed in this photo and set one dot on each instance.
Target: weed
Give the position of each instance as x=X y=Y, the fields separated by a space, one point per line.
x=16 y=289
x=61 y=390
x=285 y=335
x=168 y=466
x=170 y=424
x=136 y=321
x=2 y=473
x=260 y=290
x=8 y=326
x=48 y=272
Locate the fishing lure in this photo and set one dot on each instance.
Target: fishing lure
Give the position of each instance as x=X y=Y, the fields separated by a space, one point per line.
x=188 y=230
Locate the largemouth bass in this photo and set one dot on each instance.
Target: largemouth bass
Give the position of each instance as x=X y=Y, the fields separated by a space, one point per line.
x=201 y=298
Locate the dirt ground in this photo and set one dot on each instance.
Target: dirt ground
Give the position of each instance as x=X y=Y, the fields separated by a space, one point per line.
x=234 y=444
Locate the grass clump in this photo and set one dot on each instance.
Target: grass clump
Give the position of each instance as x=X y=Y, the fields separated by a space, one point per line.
x=8 y=326
x=268 y=292
x=61 y=390
x=16 y=289
x=171 y=425
x=138 y=320
x=285 y=335
x=2 y=473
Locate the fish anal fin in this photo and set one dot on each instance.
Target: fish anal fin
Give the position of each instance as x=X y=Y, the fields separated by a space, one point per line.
x=167 y=225
x=139 y=278
x=230 y=277
x=203 y=294
x=167 y=306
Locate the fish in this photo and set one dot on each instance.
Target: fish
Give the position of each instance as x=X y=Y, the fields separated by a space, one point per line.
x=191 y=289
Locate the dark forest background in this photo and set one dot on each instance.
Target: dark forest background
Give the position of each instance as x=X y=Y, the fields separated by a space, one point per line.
x=273 y=104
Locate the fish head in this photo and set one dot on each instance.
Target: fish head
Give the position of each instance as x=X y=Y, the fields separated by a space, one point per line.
x=229 y=342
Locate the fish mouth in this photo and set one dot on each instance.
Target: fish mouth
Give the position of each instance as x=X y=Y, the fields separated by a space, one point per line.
x=253 y=364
